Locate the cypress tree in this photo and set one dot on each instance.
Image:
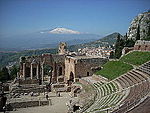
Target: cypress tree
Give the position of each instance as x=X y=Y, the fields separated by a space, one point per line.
x=119 y=46
x=4 y=74
x=138 y=33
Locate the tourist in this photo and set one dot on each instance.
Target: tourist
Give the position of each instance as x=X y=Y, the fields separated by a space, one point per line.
x=47 y=96
x=58 y=94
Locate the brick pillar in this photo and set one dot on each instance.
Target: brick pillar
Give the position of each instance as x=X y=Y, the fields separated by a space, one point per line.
x=37 y=71
x=54 y=74
x=31 y=71
x=24 y=70
x=42 y=73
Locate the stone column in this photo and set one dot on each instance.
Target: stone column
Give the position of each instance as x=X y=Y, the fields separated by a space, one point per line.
x=24 y=70
x=54 y=73
x=37 y=71
x=31 y=71
x=42 y=73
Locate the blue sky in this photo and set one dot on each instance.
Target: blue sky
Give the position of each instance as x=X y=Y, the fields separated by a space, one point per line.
x=93 y=16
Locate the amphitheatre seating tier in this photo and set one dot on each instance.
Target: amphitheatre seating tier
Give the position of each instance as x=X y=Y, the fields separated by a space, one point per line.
x=124 y=81
x=138 y=76
x=137 y=92
x=107 y=101
x=107 y=97
x=145 y=68
x=136 y=79
x=143 y=107
x=140 y=73
x=130 y=80
x=106 y=89
x=135 y=85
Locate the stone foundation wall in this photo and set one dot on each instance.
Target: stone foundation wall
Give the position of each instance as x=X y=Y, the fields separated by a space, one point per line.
x=28 y=104
x=29 y=81
x=28 y=90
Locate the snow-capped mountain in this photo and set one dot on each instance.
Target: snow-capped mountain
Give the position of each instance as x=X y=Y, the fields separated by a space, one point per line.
x=47 y=39
x=63 y=31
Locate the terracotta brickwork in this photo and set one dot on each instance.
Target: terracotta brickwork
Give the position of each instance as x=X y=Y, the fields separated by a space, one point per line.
x=142 y=45
x=81 y=66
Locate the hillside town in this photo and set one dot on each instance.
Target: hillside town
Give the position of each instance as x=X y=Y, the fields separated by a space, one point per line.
x=103 y=52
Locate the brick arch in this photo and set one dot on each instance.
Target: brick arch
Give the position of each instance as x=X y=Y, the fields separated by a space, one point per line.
x=139 y=47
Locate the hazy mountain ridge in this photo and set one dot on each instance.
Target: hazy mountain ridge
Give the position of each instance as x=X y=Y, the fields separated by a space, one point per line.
x=108 y=40
x=45 y=39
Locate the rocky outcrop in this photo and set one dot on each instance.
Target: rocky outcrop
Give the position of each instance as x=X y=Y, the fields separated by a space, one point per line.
x=140 y=27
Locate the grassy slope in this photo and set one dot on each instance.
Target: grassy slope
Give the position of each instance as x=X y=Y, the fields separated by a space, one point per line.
x=136 y=58
x=113 y=69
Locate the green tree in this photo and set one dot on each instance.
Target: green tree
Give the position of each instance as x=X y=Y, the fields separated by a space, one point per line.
x=129 y=43
x=138 y=33
x=4 y=75
x=119 y=46
x=13 y=71
x=148 y=35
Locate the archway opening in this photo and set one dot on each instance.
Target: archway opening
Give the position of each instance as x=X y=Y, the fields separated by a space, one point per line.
x=71 y=77
x=47 y=77
x=88 y=74
x=60 y=71
x=34 y=72
x=139 y=47
x=47 y=69
x=27 y=72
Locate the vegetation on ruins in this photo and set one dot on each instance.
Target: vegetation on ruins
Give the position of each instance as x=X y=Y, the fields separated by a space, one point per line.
x=136 y=58
x=113 y=69
x=6 y=74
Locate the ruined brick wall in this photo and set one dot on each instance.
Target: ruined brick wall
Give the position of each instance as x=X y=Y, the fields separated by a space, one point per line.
x=126 y=50
x=81 y=67
x=142 y=45
x=69 y=67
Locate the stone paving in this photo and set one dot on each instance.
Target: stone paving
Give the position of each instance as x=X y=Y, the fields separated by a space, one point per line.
x=58 y=105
